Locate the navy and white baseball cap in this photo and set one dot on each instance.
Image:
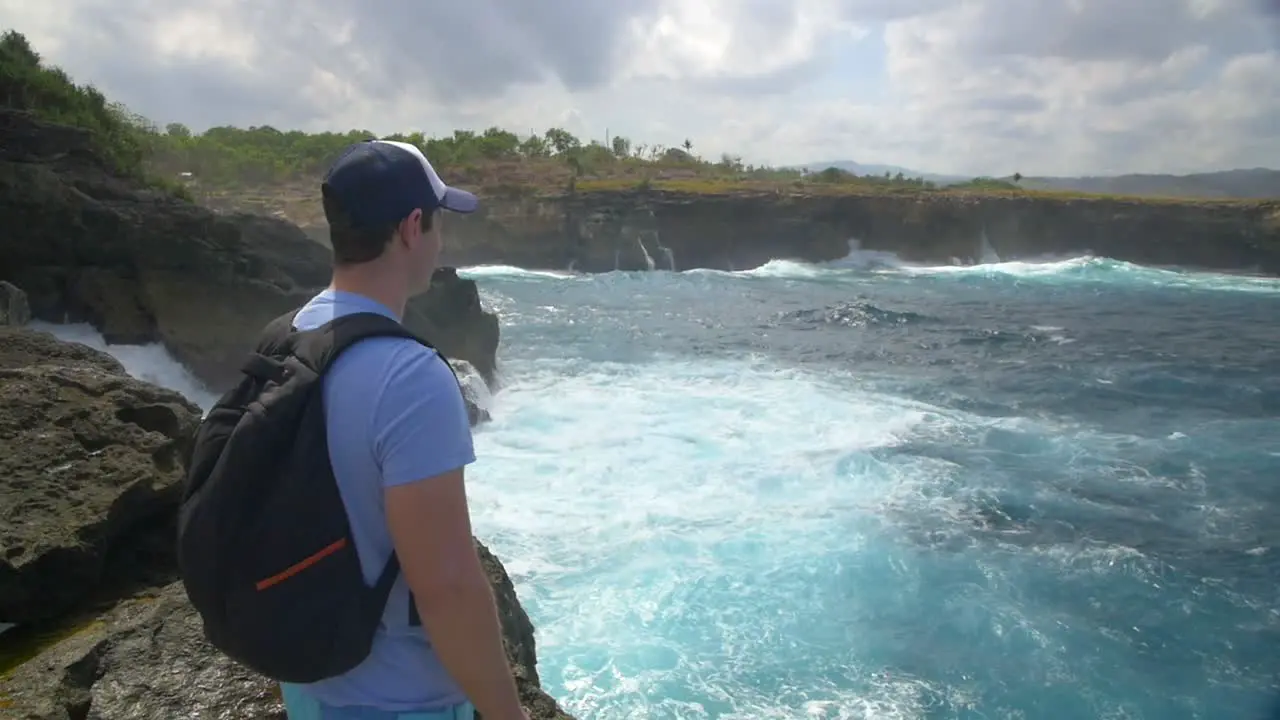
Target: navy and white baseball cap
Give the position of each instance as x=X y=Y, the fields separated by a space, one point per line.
x=379 y=182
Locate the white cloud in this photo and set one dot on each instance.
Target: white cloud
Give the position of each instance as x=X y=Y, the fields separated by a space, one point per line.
x=731 y=38
x=970 y=86
x=1087 y=86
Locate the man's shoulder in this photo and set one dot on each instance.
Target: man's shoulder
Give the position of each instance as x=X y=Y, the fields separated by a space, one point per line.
x=390 y=360
x=379 y=380
x=412 y=365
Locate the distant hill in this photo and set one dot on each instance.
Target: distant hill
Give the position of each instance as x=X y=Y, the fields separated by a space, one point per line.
x=1255 y=183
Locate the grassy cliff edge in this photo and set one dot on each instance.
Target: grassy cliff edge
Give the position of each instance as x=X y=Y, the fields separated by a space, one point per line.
x=267 y=167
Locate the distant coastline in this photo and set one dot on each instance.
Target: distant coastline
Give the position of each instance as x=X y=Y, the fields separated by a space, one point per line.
x=1242 y=183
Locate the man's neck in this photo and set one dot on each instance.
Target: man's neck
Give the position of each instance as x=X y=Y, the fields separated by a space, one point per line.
x=373 y=284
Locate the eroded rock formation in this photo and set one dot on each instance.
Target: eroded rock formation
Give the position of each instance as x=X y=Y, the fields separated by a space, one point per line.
x=89 y=454
x=142 y=266
x=449 y=314
x=14 y=309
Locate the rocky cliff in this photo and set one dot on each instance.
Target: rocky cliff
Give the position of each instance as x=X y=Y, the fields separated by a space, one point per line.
x=89 y=485
x=92 y=458
x=143 y=266
x=601 y=231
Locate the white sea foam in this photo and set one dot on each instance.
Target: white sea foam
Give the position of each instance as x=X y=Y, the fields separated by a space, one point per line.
x=150 y=362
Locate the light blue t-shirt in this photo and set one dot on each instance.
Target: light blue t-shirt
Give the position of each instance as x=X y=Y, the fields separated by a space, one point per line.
x=395 y=415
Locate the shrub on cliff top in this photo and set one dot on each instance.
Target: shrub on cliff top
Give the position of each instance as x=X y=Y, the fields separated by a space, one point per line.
x=988 y=183
x=28 y=84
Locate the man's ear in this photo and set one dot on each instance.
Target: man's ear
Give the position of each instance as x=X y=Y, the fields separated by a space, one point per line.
x=405 y=230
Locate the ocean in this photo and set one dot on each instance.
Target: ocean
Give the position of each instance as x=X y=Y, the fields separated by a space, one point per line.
x=867 y=490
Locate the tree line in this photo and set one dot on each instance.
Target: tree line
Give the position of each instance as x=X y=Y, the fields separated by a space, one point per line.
x=265 y=154
x=174 y=155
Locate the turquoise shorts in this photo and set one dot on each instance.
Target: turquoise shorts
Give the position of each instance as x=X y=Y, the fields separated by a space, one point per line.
x=301 y=706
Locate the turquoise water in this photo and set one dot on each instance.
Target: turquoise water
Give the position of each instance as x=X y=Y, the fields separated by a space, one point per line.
x=862 y=490
x=865 y=490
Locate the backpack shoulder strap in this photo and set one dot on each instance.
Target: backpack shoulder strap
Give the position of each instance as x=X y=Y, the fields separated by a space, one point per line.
x=319 y=347
x=274 y=338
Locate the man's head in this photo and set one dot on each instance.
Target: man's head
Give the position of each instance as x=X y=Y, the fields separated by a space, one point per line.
x=383 y=201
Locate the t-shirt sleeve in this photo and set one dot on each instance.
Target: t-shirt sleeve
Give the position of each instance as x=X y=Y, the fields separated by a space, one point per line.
x=420 y=426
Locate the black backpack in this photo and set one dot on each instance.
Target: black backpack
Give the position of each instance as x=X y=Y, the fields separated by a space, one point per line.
x=264 y=545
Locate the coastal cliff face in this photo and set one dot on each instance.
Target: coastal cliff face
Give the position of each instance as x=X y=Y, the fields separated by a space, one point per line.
x=142 y=266
x=626 y=230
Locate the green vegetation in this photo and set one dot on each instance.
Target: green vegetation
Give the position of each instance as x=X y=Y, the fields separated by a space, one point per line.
x=494 y=159
x=258 y=165
x=123 y=139
x=225 y=159
x=28 y=84
x=988 y=183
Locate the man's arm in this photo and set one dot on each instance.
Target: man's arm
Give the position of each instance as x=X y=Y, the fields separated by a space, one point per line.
x=423 y=440
x=432 y=533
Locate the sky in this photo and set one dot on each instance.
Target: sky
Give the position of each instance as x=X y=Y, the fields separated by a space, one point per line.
x=971 y=87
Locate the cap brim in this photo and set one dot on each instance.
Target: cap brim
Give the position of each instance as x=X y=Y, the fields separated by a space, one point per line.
x=459 y=201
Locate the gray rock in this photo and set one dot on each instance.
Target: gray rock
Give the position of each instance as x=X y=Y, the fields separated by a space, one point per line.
x=450 y=315
x=475 y=391
x=21 y=347
x=14 y=309
x=90 y=455
x=147 y=658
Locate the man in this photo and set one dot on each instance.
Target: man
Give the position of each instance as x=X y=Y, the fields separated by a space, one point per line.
x=399 y=438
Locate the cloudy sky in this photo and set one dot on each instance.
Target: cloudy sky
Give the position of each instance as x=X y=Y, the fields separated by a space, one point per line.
x=963 y=86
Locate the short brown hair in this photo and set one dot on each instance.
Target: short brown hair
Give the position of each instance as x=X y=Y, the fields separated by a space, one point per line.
x=353 y=245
